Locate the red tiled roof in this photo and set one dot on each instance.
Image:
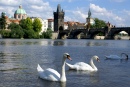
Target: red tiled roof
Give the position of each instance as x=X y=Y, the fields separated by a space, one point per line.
x=50 y=20
x=8 y=20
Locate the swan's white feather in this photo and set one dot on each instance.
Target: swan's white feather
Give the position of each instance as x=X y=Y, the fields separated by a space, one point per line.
x=53 y=75
x=48 y=74
x=81 y=66
x=113 y=57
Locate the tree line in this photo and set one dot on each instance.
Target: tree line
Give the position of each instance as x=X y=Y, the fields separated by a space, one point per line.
x=25 y=29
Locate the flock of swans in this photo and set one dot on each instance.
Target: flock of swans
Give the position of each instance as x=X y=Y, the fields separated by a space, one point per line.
x=53 y=75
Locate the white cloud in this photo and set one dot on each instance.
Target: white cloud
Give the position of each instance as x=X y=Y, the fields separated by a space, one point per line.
x=37 y=8
x=9 y=2
x=106 y=15
x=127 y=12
x=78 y=15
x=97 y=8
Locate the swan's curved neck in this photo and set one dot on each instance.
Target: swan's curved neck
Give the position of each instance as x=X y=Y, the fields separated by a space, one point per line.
x=92 y=64
x=63 y=75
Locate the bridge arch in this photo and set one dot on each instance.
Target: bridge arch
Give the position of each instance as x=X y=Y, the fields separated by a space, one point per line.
x=115 y=34
x=79 y=35
x=61 y=28
x=94 y=34
x=63 y=34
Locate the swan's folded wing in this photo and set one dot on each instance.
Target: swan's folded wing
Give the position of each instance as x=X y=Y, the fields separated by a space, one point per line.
x=48 y=74
x=113 y=57
x=51 y=74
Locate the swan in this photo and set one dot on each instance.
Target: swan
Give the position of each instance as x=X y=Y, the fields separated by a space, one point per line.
x=117 y=57
x=84 y=66
x=53 y=75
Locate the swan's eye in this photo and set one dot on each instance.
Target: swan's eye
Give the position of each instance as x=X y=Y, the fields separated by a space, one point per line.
x=68 y=56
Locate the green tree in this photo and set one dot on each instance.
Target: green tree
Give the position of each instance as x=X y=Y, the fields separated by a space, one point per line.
x=47 y=34
x=16 y=31
x=23 y=23
x=2 y=21
x=29 y=23
x=5 y=33
x=29 y=34
x=14 y=26
x=27 y=26
x=99 y=23
x=37 y=25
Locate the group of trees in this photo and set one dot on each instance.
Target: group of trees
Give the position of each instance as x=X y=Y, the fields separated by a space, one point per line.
x=25 y=29
x=98 y=24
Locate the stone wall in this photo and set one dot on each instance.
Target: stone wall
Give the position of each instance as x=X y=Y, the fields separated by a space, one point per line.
x=99 y=37
x=54 y=35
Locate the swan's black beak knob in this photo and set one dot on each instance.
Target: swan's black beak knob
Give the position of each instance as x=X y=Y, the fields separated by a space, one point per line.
x=68 y=56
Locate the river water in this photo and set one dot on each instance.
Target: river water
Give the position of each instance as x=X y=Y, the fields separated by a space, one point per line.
x=19 y=59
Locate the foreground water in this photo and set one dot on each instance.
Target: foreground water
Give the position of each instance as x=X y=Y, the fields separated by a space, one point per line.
x=19 y=59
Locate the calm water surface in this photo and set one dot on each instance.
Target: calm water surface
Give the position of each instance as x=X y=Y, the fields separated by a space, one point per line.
x=19 y=59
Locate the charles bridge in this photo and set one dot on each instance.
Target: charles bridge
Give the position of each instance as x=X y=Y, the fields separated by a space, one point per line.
x=109 y=33
x=73 y=32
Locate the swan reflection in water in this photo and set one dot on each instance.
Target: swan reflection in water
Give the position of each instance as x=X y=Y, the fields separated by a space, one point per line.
x=84 y=77
x=45 y=83
x=62 y=84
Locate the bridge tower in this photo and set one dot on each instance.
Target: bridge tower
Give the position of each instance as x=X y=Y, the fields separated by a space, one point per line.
x=58 y=19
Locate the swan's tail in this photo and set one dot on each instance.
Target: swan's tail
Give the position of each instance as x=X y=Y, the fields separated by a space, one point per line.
x=106 y=56
x=70 y=66
x=39 y=69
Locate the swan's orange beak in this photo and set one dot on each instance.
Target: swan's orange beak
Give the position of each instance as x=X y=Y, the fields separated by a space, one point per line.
x=69 y=57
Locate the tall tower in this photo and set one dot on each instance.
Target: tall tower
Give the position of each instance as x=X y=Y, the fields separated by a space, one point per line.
x=58 y=19
x=88 y=19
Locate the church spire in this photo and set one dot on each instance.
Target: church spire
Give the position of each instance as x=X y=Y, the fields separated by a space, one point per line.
x=89 y=13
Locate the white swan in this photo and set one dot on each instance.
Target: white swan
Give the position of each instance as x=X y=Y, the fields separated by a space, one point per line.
x=84 y=66
x=53 y=75
x=117 y=57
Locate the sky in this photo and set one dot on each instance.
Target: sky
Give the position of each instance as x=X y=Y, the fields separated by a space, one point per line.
x=117 y=12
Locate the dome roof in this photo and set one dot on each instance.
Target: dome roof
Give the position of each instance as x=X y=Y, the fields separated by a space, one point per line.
x=20 y=10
